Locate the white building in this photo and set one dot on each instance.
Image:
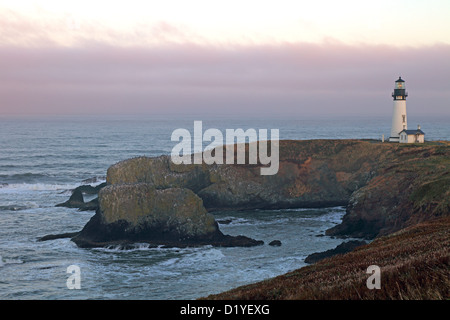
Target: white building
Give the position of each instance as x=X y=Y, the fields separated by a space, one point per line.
x=412 y=136
x=399 y=127
x=399 y=121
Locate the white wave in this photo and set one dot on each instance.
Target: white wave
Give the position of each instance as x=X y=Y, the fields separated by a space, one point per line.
x=234 y=221
x=286 y=210
x=202 y=256
x=187 y=259
x=333 y=216
x=125 y=247
x=18 y=187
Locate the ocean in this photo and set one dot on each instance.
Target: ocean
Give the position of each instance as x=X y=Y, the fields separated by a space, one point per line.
x=42 y=158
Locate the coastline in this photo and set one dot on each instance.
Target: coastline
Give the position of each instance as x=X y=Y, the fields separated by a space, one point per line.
x=414 y=264
x=414 y=258
x=370 y=176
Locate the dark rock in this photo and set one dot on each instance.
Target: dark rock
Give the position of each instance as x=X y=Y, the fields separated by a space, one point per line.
x=58 y=236
x=88 y=189
x=275 y=243
x=99 y=187
x=340 y=249
x=76 y=200
x=98 y=234
x=90 y=206
x=224 y=221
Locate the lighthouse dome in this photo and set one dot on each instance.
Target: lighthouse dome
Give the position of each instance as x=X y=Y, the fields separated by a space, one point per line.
x=400 y=84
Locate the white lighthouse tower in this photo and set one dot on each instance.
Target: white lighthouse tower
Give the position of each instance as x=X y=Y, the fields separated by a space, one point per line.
x=399 y=121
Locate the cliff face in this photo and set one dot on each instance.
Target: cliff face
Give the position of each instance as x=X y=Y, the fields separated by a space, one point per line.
x=139 y=212
x=384 y=186
x=412 y=185
x=141 y=204
x=311 y=174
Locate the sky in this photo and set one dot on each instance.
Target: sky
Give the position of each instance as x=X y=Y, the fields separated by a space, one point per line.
x=223 y=57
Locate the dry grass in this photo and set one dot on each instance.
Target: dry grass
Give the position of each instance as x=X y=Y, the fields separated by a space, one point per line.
x=414 y=265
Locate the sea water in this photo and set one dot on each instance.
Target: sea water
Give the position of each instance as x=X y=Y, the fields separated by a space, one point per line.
x=43 y=158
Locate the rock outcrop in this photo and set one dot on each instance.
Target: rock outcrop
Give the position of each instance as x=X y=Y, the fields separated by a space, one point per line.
x=76 y=200
x=385 y=187
x=316 y=173
x=340 y=249
x=275 y=243
x=141 y=213
x=381 y=184
x=410 y=186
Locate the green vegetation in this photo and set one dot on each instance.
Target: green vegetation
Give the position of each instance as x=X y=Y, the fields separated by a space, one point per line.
x=433 y=196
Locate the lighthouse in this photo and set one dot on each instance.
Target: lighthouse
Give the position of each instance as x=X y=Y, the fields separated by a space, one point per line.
x=399 y=121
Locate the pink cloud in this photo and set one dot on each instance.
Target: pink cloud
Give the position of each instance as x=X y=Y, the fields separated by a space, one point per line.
x=331 y=78
x=18 y=29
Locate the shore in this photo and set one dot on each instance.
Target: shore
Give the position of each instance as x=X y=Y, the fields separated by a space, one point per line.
x=396 y=194
x=414 y=265
x=413 y=252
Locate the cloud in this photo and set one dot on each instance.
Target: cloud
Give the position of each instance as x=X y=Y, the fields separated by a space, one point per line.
x=69 y=29
x=294 y=78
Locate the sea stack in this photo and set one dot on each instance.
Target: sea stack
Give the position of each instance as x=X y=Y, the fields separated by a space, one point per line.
x=173 y=217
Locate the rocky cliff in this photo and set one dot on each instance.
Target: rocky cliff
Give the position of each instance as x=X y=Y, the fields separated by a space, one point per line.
x=385 y=186
x=411 y=185
x=312 y=174
x=141 y=213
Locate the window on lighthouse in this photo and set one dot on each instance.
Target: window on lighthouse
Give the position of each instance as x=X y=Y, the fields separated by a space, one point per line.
x=404 y=118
